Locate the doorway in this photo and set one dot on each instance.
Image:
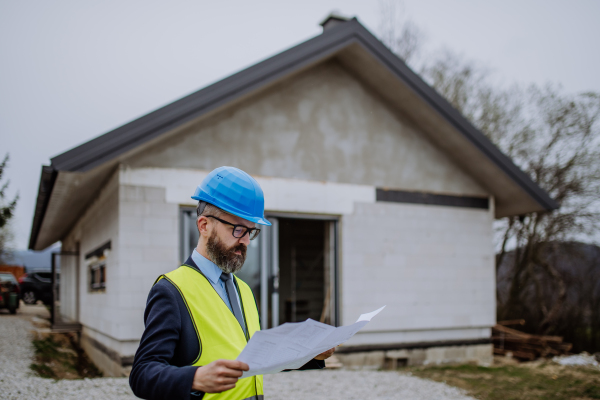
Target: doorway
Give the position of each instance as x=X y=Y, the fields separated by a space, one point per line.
x=301 y=269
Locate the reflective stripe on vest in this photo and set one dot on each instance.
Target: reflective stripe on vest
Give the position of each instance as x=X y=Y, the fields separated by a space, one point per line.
x=220 y=336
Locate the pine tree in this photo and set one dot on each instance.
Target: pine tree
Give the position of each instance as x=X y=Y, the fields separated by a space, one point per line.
x=6 y=212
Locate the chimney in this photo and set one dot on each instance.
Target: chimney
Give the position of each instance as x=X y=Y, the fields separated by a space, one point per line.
x=332 y=21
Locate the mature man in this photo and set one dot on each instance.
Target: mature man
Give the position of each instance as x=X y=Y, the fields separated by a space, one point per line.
x=200 y=316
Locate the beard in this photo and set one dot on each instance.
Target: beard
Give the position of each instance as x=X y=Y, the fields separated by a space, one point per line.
x=224 y=257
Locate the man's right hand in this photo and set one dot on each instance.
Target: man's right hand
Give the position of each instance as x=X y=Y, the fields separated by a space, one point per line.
x=218 y=376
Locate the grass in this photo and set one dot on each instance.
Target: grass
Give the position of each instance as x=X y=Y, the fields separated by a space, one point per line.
x=545 y=380
x=58 y=357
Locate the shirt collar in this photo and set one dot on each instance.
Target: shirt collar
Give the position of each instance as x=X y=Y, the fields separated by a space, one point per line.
x=207 y=267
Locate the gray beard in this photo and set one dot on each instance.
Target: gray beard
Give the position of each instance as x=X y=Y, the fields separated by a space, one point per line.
x=225 y=258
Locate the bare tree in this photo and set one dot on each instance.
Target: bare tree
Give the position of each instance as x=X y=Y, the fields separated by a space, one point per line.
x=397 y=32
x=553 y=137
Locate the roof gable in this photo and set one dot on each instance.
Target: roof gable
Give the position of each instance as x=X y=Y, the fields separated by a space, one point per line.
x=320 y=125
x=370 y=61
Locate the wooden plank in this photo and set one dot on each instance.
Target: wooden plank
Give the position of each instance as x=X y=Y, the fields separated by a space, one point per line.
x=514 y=332
x=523 y=355
x=511 y=322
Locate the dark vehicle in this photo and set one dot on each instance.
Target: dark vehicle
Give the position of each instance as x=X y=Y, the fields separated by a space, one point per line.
x=9 y=292
x=36 y=285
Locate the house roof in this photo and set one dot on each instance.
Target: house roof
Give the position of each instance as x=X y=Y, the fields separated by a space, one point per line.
x=361 y=52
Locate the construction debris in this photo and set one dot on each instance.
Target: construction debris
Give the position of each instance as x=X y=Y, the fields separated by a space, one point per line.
x=524 y=346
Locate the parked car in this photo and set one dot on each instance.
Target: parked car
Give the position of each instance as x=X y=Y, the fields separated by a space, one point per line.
x=36 y=285
x=9 y=292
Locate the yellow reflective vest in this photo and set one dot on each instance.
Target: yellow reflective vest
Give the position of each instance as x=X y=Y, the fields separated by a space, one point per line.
x=220 y=336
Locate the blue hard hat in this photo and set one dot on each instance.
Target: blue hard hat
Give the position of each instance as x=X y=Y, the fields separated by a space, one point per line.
x=235 y=192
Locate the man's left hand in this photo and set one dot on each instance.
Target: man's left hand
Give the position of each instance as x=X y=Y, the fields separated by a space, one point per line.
x=325 y=355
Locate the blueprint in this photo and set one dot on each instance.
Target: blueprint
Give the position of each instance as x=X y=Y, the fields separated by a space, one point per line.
x=291 y=345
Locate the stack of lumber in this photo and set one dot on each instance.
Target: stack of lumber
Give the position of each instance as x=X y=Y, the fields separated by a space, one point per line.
x=525 y=346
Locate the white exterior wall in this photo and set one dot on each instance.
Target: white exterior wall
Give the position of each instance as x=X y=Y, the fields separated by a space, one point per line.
x=98 y=226
x=142 y=228
x=149 y=243
x=433 y=267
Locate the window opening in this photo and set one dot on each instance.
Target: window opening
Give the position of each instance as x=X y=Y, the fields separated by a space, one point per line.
x=96 y=262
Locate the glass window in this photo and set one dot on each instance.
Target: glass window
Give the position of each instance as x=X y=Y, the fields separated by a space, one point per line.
x=96 y=264
x=97 y=275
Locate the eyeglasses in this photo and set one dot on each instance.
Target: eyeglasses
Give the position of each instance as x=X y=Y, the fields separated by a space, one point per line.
x=239 y=231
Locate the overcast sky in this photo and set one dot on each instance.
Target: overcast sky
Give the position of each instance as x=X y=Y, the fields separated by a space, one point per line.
x=73 y=70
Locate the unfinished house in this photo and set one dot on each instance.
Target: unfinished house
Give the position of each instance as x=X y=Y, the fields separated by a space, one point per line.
x=380 y=193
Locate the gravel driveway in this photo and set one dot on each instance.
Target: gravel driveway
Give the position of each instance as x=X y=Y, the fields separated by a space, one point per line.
x=18 y=382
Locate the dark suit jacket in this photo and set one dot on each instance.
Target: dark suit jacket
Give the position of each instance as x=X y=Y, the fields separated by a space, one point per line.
x=161 y=367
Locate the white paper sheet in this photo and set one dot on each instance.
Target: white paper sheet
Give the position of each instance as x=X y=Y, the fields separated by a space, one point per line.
x=291 y=345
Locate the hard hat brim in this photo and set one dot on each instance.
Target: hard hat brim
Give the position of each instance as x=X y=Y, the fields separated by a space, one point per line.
x=230 y=210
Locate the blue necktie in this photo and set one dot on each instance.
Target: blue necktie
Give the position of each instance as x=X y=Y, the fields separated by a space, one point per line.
x=235 y=306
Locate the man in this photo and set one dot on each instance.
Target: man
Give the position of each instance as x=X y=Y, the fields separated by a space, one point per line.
x=200 y=316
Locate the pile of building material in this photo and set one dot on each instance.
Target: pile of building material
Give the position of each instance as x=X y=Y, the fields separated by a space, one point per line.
x=525 y=346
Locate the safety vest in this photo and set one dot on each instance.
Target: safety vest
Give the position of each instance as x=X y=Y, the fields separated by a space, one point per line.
x=220 y=335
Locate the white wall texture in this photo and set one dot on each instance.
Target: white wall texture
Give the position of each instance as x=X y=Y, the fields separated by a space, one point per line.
x=98 y=225
x=143 y=229
x=432 y=266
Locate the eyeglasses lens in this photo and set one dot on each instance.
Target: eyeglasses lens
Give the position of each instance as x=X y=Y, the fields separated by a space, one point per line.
x=238 y=231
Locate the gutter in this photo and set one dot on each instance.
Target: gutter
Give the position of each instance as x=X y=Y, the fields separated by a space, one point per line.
x=47 y=180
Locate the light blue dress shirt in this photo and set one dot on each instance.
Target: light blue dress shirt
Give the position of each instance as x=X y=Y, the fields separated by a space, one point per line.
x=213 y=273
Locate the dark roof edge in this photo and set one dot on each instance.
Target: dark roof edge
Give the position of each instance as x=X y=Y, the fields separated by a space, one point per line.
x=47 y=180
x=453 y=116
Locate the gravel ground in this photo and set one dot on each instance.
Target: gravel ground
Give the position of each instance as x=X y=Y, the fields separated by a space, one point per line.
x=18 y=382
x=349 y=385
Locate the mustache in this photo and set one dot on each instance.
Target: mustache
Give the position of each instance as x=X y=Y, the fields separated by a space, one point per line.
x=241 y=247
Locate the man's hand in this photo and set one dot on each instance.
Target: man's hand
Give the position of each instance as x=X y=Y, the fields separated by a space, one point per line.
x=325 y=355
x=218 y=376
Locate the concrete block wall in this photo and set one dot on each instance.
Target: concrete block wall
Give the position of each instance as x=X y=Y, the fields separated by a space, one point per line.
x=433 y=266
x=390 y=359
x=98 y=225
x=149 y=243
x=143 y=230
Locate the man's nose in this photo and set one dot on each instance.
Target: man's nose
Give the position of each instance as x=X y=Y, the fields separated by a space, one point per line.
x=245 y=239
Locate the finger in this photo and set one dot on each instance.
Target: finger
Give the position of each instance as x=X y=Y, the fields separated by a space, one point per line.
x=234 y=364
x=231 y=373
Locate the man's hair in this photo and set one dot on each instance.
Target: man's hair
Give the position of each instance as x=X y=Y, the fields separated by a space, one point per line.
x=205 y=208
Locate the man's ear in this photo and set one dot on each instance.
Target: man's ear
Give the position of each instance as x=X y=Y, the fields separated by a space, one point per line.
x=202 y=223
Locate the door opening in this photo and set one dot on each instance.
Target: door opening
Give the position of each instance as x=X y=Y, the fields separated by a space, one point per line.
x=302 y=274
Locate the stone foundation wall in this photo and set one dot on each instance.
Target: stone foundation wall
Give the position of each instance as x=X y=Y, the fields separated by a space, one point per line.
x=108 y=361
x=481 y=354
